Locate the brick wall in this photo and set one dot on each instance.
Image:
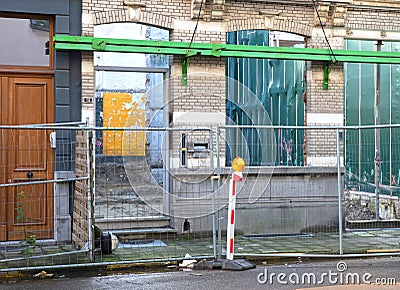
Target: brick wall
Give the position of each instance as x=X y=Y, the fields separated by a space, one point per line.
x=341 y=20
x=80 y=232
x=373 y=19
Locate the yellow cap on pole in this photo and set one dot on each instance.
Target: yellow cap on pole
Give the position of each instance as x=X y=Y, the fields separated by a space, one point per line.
x=238 y=164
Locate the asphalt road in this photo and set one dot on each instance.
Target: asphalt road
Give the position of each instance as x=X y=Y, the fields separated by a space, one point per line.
x=372 y=273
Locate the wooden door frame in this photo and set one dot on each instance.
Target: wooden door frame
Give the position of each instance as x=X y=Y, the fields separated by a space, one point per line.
x=7 y=71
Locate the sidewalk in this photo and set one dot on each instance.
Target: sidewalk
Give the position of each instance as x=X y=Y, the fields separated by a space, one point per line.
x=355 y=287
x=172 y=247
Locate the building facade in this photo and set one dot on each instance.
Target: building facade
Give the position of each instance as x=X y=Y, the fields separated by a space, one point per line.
x=313 y=24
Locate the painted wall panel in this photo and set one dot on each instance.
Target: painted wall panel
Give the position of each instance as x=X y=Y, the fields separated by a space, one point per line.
x=124 y=110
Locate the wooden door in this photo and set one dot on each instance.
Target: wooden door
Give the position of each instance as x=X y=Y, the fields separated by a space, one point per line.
x=27 y=208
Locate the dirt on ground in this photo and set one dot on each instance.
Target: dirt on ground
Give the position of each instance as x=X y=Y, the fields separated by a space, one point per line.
x=354 y=210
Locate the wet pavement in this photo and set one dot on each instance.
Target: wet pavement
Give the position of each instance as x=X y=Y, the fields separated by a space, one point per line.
x=175 y=247
x=372 y=273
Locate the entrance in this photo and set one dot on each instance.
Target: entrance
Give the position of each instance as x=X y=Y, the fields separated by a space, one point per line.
x=26 y=157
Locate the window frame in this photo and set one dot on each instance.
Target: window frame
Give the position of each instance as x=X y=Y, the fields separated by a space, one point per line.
x=29 y=68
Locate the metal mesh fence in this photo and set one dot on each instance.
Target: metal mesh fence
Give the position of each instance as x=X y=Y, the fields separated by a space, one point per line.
x=147 y=191
x=93 y=196
x=36 y=196
x=296 y=209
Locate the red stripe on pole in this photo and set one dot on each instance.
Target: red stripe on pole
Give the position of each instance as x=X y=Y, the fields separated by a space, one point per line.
x=233 y=188
x=232 y=217
x=231 y=246
x=237 y=177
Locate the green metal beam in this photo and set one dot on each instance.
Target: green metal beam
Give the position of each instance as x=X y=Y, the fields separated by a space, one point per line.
x=84 y=43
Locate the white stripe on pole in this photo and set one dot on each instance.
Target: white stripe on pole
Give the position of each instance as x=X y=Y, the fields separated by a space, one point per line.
x=230 y=235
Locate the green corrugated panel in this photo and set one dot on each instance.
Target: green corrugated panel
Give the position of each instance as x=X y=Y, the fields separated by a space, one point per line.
x=299 y=157
x=290 y=118
x=360 y=104
x=231 y=96
x=367 y=117
x=385 y=118
x=279 y=86
x=352 y=115
x=395 y=119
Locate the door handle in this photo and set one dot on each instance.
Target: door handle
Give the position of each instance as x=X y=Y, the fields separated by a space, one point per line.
x=29 y=174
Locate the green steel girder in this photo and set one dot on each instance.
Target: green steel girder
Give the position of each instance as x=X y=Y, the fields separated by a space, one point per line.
x=84 y=43
x=186 y=50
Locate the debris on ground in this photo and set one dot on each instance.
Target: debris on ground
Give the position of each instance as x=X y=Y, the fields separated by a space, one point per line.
x=356 y=211
x=187 y=262
x=43 y=274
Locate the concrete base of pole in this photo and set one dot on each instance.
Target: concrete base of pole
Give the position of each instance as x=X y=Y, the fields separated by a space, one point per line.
x=233 y=265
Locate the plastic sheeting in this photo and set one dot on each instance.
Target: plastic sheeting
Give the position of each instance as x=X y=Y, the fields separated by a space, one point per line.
x=272 y=89
x=360 y=92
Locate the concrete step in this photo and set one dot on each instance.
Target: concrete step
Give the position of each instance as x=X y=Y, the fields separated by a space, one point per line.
x=129 y=223
x=145 y=234
x=144 y=231
x=372 y=224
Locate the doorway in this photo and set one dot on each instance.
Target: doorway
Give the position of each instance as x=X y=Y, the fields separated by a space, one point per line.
x=26 y=157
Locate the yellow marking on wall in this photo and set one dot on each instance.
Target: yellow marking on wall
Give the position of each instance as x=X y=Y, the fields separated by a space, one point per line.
x=123 y=110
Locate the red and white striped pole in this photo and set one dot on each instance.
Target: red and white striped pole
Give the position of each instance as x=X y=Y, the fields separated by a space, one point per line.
x=238 y=165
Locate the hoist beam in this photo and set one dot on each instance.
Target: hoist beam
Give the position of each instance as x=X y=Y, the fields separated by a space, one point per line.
x=85 y=43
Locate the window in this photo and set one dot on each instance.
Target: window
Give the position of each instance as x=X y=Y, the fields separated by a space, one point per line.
x=265 y=92
x=25 y=42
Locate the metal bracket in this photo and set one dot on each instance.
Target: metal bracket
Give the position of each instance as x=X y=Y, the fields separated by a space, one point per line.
x=99 y=44
x=185 y=61
x=327 y=71
x=216 y=49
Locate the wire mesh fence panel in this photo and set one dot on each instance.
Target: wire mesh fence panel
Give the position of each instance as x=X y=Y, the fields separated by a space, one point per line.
x=148 y=197
x=36 y=199
x=285 y=206
x=158 y=194
x=295 y=209
x=372 y=203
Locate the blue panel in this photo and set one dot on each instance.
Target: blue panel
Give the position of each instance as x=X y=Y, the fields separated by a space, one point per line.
x=62 y=114
x=62 y=60
x=62 y=78
x=62 y=24
x=62 y=96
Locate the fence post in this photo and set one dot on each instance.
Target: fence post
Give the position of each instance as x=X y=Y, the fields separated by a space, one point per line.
x=214 y=232
x=218 y=186
x=339 y=184
x=91 y=183
x=378 y=159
